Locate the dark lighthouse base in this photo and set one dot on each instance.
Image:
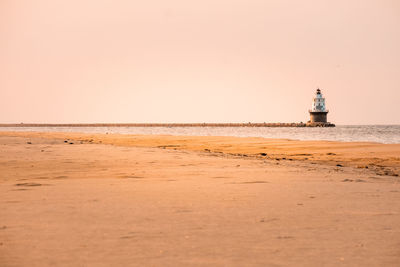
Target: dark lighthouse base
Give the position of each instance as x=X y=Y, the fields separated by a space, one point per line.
x=319 y=118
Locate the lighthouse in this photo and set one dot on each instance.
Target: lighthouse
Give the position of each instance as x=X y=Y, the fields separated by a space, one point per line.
x=318 y=111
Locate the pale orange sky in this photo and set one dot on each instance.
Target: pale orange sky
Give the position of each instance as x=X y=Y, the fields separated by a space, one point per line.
x=198 y=61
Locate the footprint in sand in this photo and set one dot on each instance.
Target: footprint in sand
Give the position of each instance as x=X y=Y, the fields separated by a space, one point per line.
x=221 y=177
x=130 y=235
x=356 y=180
x=251 y=182
x=28 y=184
x=131 y=177
x=61 y=177
x=255 y=182
x=263 y=220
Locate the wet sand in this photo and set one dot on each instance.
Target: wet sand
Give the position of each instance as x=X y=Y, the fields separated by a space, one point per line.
x=118 y=200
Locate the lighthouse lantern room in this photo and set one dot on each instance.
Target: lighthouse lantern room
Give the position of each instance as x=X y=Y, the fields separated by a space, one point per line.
x=318 y=112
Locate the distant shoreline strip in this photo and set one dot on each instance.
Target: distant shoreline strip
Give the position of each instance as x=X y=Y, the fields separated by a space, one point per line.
x=168 y=125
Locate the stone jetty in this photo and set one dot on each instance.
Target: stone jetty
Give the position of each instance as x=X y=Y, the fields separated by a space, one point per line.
x=249 y=124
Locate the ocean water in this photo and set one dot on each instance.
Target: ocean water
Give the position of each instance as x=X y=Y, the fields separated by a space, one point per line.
x=388 y=134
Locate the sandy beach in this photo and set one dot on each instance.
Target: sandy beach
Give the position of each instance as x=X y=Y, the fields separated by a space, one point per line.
x=73 y=199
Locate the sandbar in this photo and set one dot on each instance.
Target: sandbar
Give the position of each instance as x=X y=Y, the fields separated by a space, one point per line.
x=75 y=199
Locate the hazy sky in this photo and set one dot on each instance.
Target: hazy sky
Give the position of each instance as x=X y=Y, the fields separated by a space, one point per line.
x=198 y=61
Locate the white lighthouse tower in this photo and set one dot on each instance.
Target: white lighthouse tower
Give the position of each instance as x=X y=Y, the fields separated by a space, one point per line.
x=318 y=111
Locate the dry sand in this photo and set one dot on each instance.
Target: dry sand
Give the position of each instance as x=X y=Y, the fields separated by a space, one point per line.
x=120 y=200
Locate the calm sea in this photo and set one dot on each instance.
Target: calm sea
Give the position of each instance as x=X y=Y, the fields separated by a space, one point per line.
x=388 y=134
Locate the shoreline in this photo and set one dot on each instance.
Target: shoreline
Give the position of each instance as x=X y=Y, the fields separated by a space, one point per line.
x=389 y=134
x=380 y=159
